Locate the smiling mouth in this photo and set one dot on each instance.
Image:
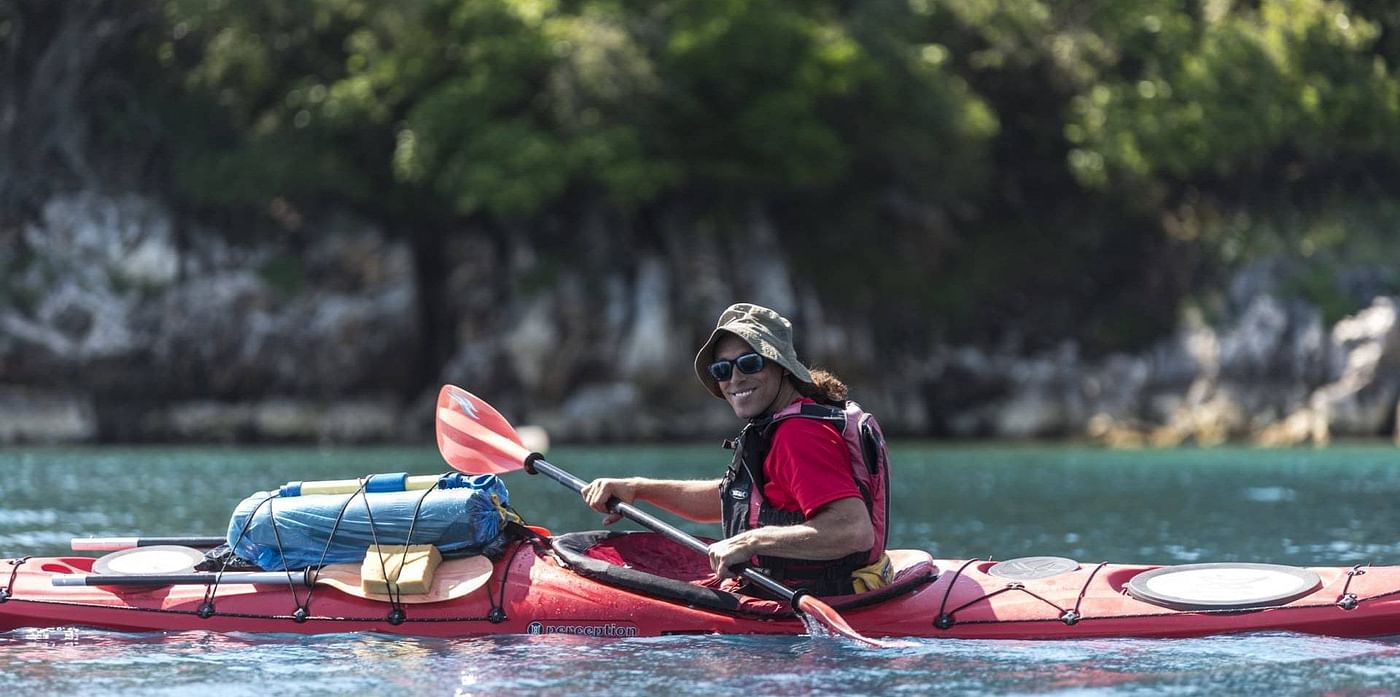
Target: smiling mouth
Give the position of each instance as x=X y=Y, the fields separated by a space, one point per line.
x=740 y=394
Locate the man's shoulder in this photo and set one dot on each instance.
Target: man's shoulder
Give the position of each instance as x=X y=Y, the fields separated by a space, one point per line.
x=796 y=427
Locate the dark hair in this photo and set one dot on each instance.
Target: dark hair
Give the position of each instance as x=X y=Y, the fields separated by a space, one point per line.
x=825 y=387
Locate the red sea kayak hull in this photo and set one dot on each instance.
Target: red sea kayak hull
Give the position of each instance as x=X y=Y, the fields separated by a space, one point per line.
x=530 y=592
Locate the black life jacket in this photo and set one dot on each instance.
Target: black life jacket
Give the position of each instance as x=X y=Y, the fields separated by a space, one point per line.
x=744 y=507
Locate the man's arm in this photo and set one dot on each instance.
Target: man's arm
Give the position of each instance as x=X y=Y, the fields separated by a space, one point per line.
x=696 y=500
x=839 y=528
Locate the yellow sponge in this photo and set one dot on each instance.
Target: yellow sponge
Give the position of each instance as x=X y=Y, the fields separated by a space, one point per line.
x=399 y=569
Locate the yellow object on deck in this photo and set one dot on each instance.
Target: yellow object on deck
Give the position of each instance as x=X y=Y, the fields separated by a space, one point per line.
x=391 y=569
x=874 y=576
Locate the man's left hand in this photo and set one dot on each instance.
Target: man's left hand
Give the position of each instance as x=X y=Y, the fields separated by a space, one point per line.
x=729 y=552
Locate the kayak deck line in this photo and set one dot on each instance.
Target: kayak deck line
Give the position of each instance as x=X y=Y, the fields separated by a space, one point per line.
x=533 y=589
x=203 y=612
x=1346 y=601
x=1070 y=616
x=947 y=618
x=9 y=588
x=398 y=612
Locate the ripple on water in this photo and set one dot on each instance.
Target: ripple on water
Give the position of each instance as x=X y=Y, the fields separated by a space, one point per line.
x=49 y=516
x=24 y=542
x=1270 y=494
x=99 y=663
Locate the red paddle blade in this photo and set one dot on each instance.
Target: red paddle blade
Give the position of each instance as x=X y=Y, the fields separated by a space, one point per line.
x=829 y=618
x=473 y=437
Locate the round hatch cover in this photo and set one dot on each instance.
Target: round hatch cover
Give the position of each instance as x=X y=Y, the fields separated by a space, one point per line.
x=1031 y=568
x=157 y=559
x=1223 y=586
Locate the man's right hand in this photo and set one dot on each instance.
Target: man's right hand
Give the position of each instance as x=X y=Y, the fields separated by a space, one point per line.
x=598 y=492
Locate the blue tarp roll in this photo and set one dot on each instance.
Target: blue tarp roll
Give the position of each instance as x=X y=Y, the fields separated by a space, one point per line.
x=457 y=520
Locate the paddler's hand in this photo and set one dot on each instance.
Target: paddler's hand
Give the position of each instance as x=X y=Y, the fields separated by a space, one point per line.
x=598 y=492
x=728 y=553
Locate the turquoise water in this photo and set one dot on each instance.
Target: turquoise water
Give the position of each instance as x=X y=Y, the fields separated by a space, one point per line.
x=1319 y=507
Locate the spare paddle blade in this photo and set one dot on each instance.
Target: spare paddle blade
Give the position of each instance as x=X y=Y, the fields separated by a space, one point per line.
x=473 y=437
x=829 y=618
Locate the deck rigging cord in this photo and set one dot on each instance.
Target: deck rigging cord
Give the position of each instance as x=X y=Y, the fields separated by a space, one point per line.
x=398 y=611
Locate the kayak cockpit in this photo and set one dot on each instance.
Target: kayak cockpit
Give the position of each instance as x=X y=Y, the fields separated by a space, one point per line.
x=652 y=565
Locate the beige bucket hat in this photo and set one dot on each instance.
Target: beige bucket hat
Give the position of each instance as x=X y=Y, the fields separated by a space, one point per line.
x=769 y=333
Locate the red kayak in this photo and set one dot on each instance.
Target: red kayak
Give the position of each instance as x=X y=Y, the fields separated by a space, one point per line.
x=639 y=584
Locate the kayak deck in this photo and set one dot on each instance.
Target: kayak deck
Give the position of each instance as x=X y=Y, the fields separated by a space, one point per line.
x=531 y=591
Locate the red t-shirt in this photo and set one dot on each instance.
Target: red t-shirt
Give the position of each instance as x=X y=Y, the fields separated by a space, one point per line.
x=807 y=467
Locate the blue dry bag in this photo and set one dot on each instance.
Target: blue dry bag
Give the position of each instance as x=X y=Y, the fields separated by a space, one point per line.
x=301 y=531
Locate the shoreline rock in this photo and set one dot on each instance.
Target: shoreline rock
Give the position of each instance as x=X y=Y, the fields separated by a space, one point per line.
x=113 y=331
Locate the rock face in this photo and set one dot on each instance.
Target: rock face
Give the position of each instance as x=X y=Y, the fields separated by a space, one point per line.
x=117 y=323
x=112 y=305
x=1361 y=401
x=46 y=416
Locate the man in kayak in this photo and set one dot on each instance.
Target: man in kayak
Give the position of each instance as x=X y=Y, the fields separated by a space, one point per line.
x=804 y=498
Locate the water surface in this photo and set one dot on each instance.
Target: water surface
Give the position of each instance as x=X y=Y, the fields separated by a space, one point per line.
x=1306 y=507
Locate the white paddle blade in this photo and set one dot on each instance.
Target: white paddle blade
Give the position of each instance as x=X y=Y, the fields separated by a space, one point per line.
x=454 y=578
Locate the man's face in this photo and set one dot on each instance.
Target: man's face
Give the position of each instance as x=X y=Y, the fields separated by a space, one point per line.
x=750 y=395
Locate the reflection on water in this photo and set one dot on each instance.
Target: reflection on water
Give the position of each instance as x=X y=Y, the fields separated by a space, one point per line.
x=67 y=661
x=1327 y=507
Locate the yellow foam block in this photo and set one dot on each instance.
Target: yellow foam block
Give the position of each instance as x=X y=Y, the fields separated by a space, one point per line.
x=399 y=569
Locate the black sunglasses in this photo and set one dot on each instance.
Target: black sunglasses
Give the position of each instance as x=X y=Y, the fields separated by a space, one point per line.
x=747 y=364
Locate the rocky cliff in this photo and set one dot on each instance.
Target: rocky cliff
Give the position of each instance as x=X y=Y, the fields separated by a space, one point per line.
x=121 y=322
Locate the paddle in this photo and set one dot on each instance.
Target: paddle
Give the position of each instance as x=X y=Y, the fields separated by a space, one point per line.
x=474 y=438
x=113 y=544
x=452 y=579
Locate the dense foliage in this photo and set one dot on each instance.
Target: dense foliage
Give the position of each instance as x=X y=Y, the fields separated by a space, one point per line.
x=1059 y=168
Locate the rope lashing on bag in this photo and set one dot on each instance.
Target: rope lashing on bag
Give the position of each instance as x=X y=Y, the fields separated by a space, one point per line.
x=310 y=532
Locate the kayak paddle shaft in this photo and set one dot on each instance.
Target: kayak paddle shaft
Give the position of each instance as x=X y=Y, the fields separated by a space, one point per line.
x=538 y=464
x=116 y=544
x=263 y=578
